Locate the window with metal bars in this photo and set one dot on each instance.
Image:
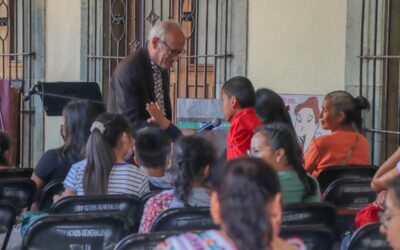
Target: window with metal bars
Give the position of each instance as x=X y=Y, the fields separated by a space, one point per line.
x=118 y=27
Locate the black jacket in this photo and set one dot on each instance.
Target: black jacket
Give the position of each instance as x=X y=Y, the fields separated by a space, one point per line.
x=132 y=86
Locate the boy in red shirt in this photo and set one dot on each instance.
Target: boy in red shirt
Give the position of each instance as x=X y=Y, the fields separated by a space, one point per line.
x=238 y=96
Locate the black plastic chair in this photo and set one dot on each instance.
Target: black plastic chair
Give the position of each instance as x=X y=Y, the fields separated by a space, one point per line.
x=348 y=196
x=129 y=206
x=12 y=173
x=317 y=214
x=330 y=174
x=184 y=219
x=19 y=192
x=350 y=193
x=46 y=195
x=143 y=241
x=314 y=237
x=65 y=232
x=368 y=238
x=8 y=214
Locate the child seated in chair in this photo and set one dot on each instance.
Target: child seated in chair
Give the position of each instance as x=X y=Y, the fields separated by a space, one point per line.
x=192 y=159
x=105 y=171
x=238 y=97
x=152 y=151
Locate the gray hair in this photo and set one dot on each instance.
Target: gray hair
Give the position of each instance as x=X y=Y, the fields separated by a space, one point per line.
x=160 y=29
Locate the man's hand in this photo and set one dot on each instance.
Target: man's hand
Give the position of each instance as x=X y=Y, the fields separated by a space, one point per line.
x=157 y=115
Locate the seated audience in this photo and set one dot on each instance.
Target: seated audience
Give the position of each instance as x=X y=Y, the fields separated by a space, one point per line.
x=390 y=219
x=270 y=107
x=247 y=206
x=386 y=172
x=54 y=164
x=277 y=145
x=238 y=97
x=105 y=171
x=152 y=152
x=192 y=159
x=5 y=149
x=341 y=113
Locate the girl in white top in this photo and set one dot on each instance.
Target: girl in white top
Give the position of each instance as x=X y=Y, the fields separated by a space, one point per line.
x=105 y=171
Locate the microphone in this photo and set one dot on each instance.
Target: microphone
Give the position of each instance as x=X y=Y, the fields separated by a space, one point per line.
x=31 y=91
x=209 y=125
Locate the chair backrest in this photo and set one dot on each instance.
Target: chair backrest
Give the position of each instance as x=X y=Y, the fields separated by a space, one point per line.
x=314 y=237
x=350 y=193
x=46 y=195
x=65 y=232
x=320 y=213
x=8 y=215
x=19 y=192
x=12 y=173
x=184 y=219
x=330 y=174
x=143 y=241
x=129 y=206
x=368 y=237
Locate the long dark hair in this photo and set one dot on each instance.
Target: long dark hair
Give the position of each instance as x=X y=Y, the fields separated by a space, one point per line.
x=247 y=185
x=106 y=132
x=343 y=101
x=279 y=135
x=192 y=154
x=79 y=116
x=5 y=144
x=270 y=107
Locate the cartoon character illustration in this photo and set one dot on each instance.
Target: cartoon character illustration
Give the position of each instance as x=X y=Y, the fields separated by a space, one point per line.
x=307 y=121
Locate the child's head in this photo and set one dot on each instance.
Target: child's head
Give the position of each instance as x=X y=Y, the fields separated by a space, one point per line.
x=237 y=93
x=192 y=159
x=247 y=203
x=340 y=109
x=270 y=107
x=5 y=147
x=78 y=116
x=108 y=142
x=152 y=147
x=276 y=143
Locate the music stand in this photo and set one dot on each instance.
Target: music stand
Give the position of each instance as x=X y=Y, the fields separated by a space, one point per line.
x=55 y=95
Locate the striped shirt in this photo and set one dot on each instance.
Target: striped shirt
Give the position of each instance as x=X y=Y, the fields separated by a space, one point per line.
x=124 y=179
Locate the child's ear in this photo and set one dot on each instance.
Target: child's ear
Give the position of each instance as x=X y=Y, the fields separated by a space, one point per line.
x=234 y=102
x=341 y=117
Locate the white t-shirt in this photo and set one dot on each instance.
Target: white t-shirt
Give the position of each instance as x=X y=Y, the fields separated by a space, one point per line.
x=124 y=179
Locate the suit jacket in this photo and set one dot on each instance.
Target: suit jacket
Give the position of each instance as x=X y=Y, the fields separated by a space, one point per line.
x=132 y=86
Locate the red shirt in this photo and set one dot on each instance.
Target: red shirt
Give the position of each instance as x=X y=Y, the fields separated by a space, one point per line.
x=240 y=132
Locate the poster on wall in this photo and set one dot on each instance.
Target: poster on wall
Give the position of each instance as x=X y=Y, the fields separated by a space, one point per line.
x=304 y=111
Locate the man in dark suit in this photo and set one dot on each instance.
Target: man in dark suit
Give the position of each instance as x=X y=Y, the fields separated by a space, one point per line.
x=142 y=77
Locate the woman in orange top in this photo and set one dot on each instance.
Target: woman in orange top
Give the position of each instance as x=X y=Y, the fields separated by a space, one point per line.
x=341 y=113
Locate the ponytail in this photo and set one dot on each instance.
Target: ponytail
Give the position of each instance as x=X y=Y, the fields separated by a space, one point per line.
x=105 y=134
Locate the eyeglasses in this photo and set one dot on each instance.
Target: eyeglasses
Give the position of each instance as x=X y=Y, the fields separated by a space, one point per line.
x=386 y=217
x=173 y=51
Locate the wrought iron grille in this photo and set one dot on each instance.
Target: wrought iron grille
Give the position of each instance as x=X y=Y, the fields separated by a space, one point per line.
x=118 y=27
x=16 y=71
x=380 y=73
